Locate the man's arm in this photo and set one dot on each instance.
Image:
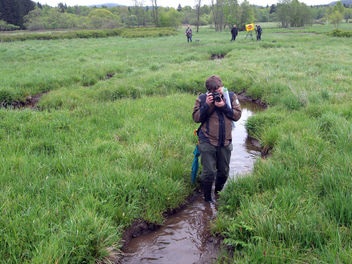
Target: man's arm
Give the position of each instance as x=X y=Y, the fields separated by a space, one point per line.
x=236 y=111
x=202 y=110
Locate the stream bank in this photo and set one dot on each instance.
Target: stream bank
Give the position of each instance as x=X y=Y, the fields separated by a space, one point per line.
x=185 y=236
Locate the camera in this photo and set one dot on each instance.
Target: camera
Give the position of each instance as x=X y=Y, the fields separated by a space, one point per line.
x=217 y=97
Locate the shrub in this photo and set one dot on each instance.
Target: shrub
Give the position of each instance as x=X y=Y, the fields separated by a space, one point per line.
x=147 y=32
x=341 y=33
x=7 y=27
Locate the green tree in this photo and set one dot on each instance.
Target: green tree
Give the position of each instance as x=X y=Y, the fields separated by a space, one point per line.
x=62 y=7
x=179 y=8
x=155 y=12
x=247 y=13
x=50 y=18
x=272 y=9
x=231 y=12
x=339 y=7
x=199 y=2
x=335 y=14
x=293 y=13
x=170 y=18
x=299 y=14
x=139 y=13
x=335 y=17
x=188 y=15
x=262 y=14
x=7 y=27
x=218 y=14
x=283 y=13
x=13 y=11
x=205 y=18
x=348 y=14
x=78 y=10
x=319 y=13
x=103 y=18
x=124 y=13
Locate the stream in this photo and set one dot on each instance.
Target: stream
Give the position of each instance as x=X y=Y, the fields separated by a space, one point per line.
x=184 y=238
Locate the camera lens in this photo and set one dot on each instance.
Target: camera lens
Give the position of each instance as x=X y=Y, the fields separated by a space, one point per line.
x=217 y=97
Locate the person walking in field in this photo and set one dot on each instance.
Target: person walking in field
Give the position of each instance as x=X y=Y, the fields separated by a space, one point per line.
x=259 y=30
x=188 y=33
x=215 y=134
x=234 y=32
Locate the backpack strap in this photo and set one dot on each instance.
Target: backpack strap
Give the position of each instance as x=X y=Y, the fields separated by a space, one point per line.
x=202 y=99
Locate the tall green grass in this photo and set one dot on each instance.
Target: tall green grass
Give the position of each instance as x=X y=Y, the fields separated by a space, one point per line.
x=72 y=181
x=111 y=142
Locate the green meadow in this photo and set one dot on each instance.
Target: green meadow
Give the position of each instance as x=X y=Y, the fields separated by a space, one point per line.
x=111 y=142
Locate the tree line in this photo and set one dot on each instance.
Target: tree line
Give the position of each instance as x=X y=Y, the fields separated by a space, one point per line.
x=26 y=14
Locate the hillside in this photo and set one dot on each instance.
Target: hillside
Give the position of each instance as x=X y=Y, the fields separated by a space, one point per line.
x=344 y=2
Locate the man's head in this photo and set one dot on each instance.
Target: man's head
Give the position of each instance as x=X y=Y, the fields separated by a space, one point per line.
x=213 y=83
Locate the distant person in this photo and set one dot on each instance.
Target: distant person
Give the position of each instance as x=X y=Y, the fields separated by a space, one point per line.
x=215 y=134
x=234 y=32
x=259 y=30
x=188 y=34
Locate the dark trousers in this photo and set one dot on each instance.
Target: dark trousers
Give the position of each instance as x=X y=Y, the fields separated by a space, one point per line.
x=215 y=166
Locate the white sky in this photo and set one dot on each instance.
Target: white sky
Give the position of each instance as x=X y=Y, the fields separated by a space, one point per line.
x=169 y=3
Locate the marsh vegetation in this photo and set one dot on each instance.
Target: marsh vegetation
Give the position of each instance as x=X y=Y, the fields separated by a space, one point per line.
x=111 y=140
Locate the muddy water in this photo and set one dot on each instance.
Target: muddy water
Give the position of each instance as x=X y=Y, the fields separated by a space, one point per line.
x=244 y=151
x=185 y=238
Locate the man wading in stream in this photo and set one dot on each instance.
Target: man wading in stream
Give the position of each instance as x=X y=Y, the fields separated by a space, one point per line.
x=215 y=134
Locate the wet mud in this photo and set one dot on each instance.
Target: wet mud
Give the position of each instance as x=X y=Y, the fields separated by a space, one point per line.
x=185 y=236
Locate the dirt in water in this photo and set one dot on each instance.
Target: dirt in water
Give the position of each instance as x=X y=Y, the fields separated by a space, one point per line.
x=185 y=237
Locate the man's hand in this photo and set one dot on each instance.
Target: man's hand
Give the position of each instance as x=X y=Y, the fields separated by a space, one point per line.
x=209 y=100
x=220 y=104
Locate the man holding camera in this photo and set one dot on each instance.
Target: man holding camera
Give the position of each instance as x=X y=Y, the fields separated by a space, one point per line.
x=215 y=134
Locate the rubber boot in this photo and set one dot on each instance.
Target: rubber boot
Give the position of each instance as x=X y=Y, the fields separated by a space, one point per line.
x=219 y=184
x=207 y=188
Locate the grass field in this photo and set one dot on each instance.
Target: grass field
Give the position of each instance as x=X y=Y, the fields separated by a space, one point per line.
x=111 y=141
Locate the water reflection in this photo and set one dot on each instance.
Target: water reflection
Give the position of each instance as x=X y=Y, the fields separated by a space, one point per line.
x=184 y=238
x=244 y=152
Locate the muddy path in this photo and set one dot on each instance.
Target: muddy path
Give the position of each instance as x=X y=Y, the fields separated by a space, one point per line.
x=185 y=236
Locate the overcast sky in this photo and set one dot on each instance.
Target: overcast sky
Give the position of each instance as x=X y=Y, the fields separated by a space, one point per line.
x=169 y=3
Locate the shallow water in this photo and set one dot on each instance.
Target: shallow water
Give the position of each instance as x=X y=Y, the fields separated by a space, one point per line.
x=244 y=152
x=185 y=238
